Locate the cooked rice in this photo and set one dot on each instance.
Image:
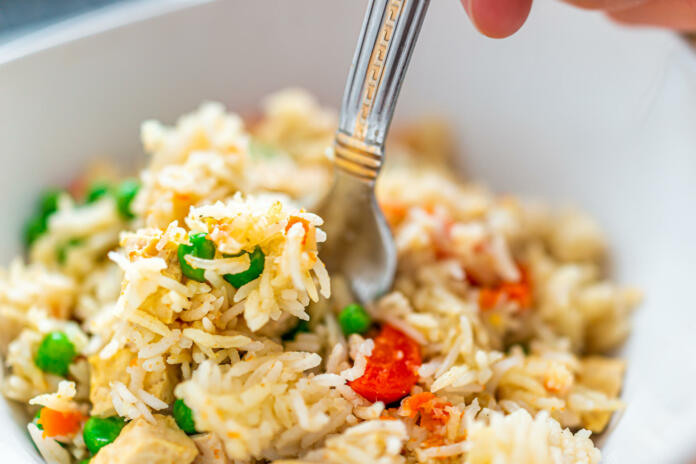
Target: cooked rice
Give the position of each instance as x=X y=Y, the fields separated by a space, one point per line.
x=62 y=400
x=507 y=376
x=49 y=449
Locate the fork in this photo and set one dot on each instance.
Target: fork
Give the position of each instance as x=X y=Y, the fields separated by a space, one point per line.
x=360 y=246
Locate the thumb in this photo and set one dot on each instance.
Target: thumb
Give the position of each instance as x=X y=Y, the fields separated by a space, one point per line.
x=497 y=18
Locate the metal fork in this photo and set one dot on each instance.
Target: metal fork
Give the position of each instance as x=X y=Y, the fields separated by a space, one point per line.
x=360 y=246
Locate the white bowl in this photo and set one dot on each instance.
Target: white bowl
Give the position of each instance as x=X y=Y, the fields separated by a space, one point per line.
x=572 y=108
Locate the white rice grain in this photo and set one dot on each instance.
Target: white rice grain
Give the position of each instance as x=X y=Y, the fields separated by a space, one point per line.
x=49 y=449
x=208 y=340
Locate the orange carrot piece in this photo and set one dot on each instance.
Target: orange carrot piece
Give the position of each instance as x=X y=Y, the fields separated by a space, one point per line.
x=519 y=292
x=309 y=236
x=392 y=368
x=433 y=414
x=60 y=424
x=412 y=404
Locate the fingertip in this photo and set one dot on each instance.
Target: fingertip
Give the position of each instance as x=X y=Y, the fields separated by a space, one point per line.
x=618 y=18
x=498 y=18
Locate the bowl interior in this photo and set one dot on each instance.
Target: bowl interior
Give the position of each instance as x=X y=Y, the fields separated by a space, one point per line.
x=572 y=109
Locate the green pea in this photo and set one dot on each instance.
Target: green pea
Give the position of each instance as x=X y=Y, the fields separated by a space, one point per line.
x=124 y=195
x=354 y=319
x=184 y=417
x=200 y=247
x=55 y=354
x=261 y=150
x=99 y=432
x=302 y=326
x=36 y=418
x=256 y=264
x=85 y=461
x=62 y=251
x=34 y=228
x=37 y=224
x=96 y=191
x=48 y=203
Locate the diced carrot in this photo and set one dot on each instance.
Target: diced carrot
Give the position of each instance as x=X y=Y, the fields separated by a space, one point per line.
x=60 y=424
x=558 y=379
x=434 y=418
x=252 y=120
x=77 y=187
x=433 y=414
x=488 y=298
x=182 y=198
x=392 y=368
x=309 y=238
x=518 y=292
x=412 y=404
x=394 y=212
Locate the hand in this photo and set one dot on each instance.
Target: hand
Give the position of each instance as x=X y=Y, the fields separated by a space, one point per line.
x=501 y=18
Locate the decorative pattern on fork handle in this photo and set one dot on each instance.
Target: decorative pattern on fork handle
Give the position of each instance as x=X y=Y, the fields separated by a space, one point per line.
x=384 y=50
x=375 y=69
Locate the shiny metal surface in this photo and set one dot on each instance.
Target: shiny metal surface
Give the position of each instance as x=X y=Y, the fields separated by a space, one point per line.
x=360 y=245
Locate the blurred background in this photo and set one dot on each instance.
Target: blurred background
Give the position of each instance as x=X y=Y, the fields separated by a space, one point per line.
x=22 y=16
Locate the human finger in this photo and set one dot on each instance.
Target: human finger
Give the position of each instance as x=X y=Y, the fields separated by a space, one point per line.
x=498 y=18
x=678 y=15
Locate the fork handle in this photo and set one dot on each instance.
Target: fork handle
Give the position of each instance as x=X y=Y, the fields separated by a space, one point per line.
x=384 y=50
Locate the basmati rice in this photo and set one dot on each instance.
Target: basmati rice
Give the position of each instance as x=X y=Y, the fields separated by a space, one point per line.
x=505 y=299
